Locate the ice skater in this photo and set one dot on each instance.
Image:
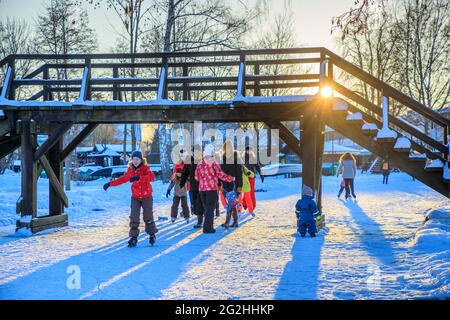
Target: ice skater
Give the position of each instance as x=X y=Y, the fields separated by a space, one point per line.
x=140 y=176
x=180 y=196
x=306 y=211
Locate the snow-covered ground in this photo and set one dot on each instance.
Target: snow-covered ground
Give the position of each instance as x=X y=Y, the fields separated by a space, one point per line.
x=375 y=248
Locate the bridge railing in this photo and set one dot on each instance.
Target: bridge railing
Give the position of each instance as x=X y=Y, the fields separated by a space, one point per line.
x=185 y=72
x=422 y=142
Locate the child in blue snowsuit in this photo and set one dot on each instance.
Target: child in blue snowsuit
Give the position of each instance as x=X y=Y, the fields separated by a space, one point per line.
x=305 y=209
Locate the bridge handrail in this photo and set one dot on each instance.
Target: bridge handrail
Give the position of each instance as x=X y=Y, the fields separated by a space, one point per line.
x=97 y=56
x=387 y=89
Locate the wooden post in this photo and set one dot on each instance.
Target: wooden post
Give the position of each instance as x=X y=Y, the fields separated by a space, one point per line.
x=319 y=160
x=385 y=103
x=88 y=85
x=162 y=87
x=186 y=92
x=308 y=149
x=56 y=162
x=256 y=71
x=115 y=85
x=45 y=76
x=29 y=179
x=241 y=78
x=12 y=87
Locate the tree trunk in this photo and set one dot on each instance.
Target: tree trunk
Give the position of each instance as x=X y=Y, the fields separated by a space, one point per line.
x=163 y=133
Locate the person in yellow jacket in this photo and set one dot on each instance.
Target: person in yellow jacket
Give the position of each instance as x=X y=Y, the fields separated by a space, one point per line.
x=245 y=197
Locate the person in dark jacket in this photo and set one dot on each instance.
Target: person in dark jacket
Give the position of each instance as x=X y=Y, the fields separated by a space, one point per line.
x=305 y=210
x=140 y=176
x=385 y=170
x=188 y=177
x=231 y=166
x=208 y=173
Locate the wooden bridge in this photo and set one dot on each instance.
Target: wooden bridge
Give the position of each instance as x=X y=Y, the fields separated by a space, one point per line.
x=219 y=86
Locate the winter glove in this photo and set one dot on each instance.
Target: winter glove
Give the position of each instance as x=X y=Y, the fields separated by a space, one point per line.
x=135 y=178
x=106 y=186
x=239 y=190
x=168 y=193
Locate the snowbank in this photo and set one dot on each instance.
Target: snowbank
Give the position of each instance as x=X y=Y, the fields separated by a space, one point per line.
x=433 y=238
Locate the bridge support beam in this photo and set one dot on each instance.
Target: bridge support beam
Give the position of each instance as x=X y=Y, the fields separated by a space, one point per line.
x=28 y=204
x=312 y=142
x=31 y=169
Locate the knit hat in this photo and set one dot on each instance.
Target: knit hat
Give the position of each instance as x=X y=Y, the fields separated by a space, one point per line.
x=137 y=154
x=307 y=191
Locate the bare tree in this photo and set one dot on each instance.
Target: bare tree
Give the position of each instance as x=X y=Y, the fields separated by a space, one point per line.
x=63 y=28
x=356 y=19
x=192 y=25
x=375 y=51
x=424 y=27
x=15 y=38
x=134 y=16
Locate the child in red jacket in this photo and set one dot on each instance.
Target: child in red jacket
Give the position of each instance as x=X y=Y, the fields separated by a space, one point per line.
x=140 y=176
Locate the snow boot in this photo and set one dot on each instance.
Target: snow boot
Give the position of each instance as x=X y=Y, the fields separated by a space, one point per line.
x=235 y=219
x=199 y=222
x=209 y=231
x=187 y=220
x=132 y=242
x=173 y=220
x=226 y=225
x=152 y=239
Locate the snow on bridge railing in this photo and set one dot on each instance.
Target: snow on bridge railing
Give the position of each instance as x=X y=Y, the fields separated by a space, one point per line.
x=171 y=82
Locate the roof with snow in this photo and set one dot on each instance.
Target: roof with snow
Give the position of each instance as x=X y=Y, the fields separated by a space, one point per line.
x=84 y=149
x=115 y=147
x=105 y=153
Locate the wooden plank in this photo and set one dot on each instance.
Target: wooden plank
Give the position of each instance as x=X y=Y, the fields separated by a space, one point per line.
x=241 y=78
x=392 y=119
x=214 y=113
x=162 y=86
x=52 y=140
x=7 y=83
x=285 y=85
x=49 y=222
x=4 y=127
x=29 y=180
x=388 y=90
x=188 y=64
x=56 y=202
x=171 y=80
x=155 y=55
x=292 y=142
x=398 y=159
x=309 y=148
x=78 y=139
x=54 y=180
x=9 y=145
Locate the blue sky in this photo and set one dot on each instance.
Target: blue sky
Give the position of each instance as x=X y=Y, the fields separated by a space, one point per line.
x=312 y=18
